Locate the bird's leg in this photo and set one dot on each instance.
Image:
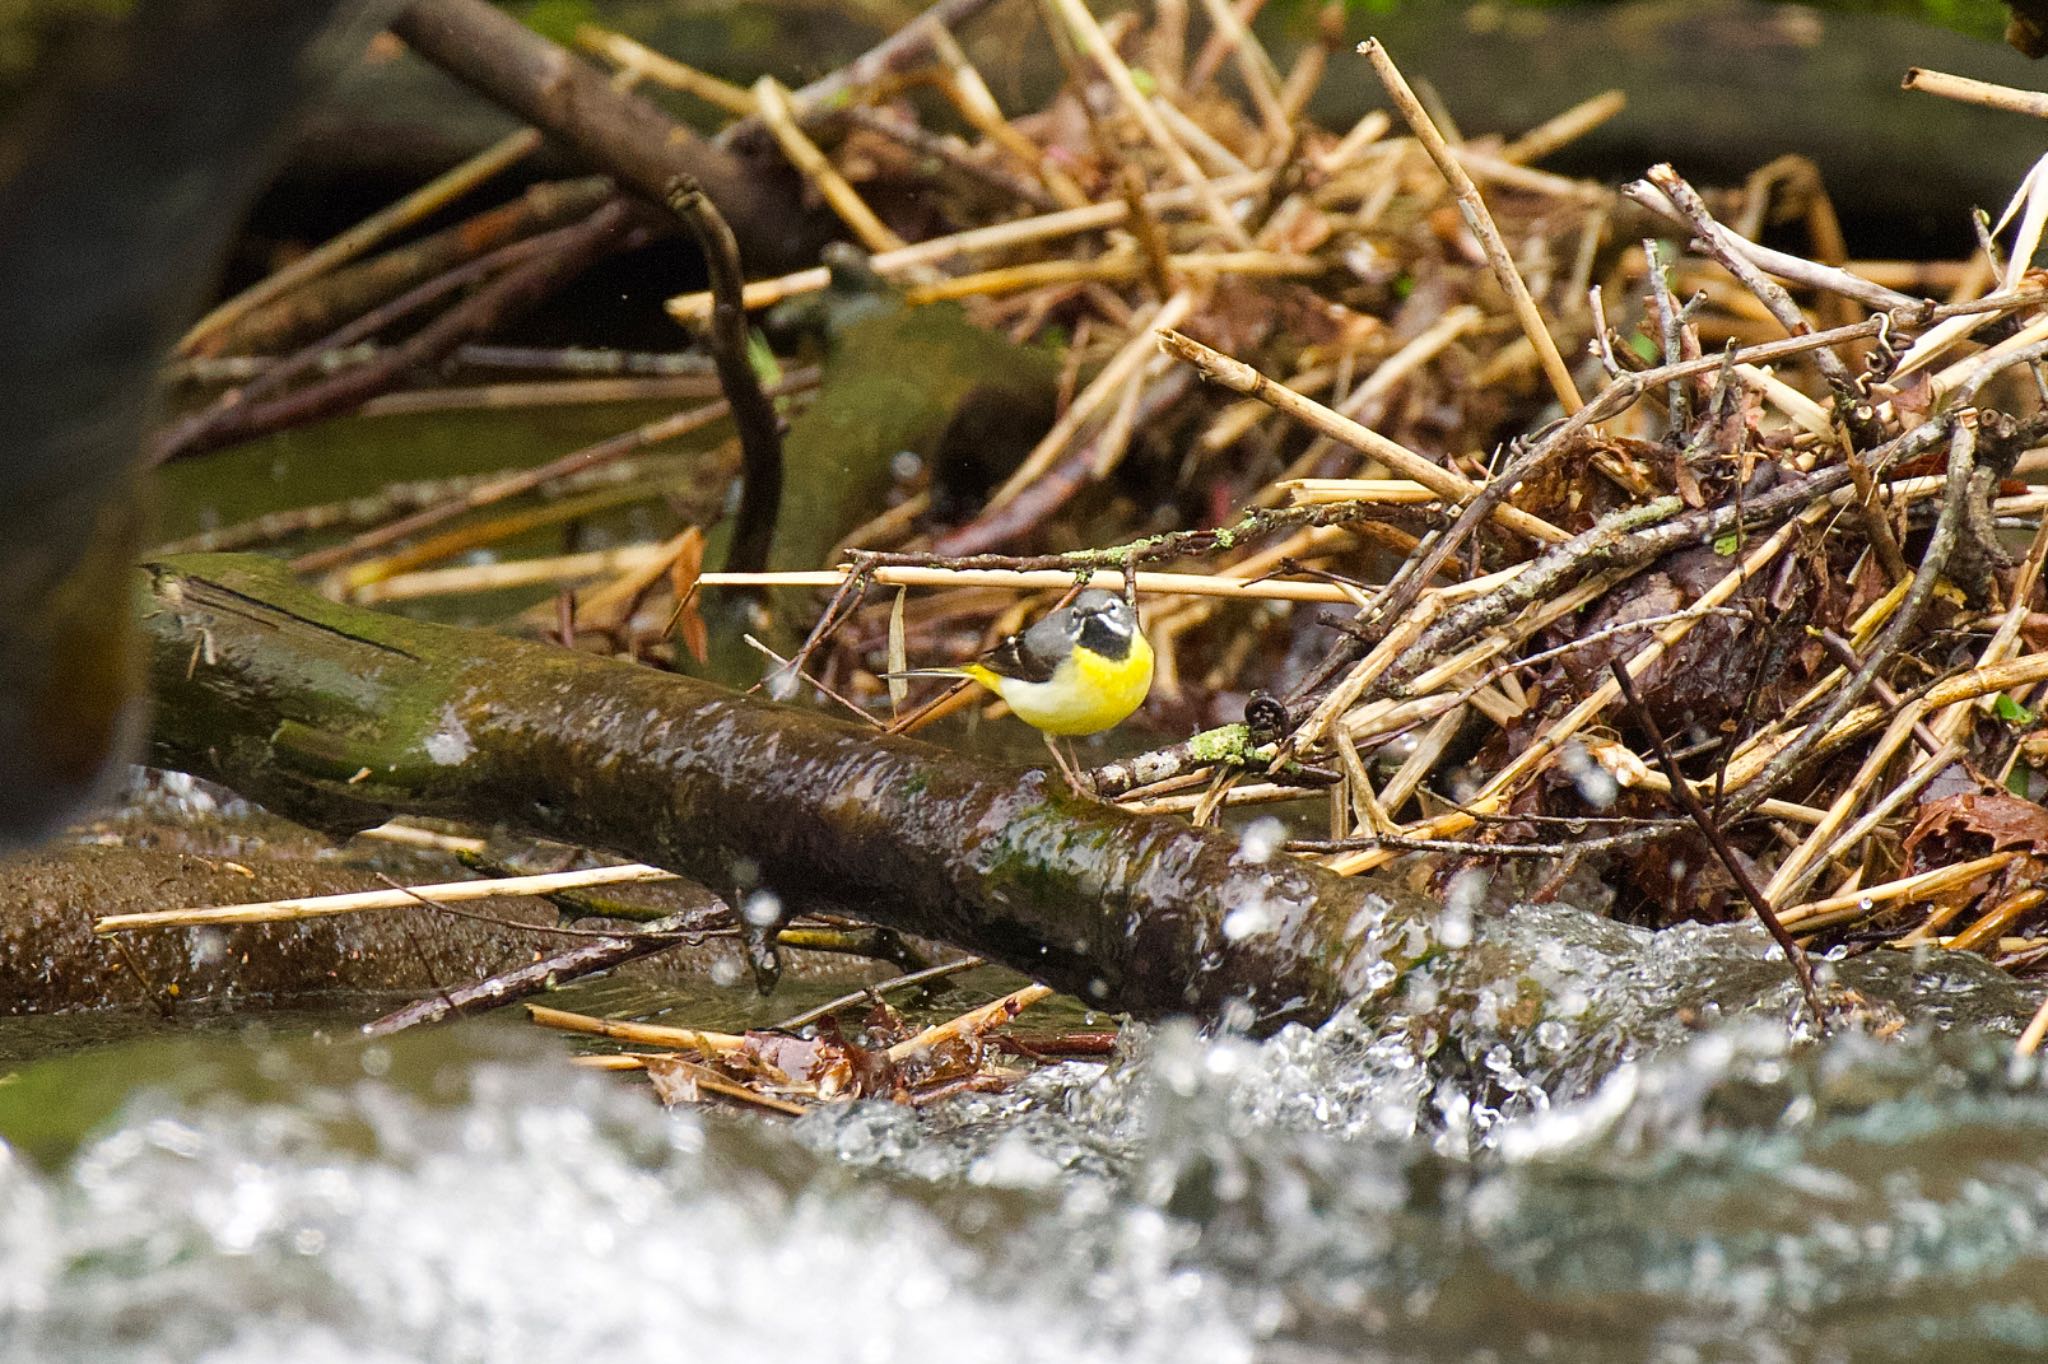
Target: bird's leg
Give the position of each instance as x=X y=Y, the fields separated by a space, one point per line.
x=1081 y=785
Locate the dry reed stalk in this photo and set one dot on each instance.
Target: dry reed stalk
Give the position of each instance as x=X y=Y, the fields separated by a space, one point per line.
x=971 y=1024
x=1007 y=236
x=1860 y=904
x=1204 y=265
x=1500 y=788
x=664 y=70
x=1969 y=90
x=1222 y=160
x=1096 y=46
x=1480 y=221
x=569 y=568
x=771 y=102
x=1811 y=848
x=1987 y=929
x=1131 y=357
x=1255 y=66
x=422 y=203
x=412 y=836
x=356 y=902
x=970 y=95
x=1561 y=130
x=1856 y=835
x=646 y=1034
x=1242 y=378
x=2023 y=671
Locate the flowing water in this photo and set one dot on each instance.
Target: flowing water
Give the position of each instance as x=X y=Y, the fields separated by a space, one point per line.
x=1666 y=1185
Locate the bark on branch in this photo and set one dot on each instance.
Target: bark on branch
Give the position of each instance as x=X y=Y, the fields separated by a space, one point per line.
x=342 y=716
x=613 y=130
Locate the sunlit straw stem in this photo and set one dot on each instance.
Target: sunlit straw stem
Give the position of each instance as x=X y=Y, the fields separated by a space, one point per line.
x=1222 y=160
x=1363 y=134
x=1261 y=76
x=1123 y=266
x=970 y=94
x=1480 y=221
x=1850 y=838
x=1996 y=920
x=1096 y=46
x=771 y=101
x=2037 y=1028
x=1380 y=384
x=1135 y=354
x=972 y=1023
x=1970 y=91
x=646 y=1034
x=1241 y=793
x=320 y=906
x=1242 y=378
x=569 y=568
x=1493 y=170
x=1859 y=904
x=997 y=237
x=664 y=70
x=412 y=836
x=1238 y=420
x=2018 y=672
x=1807 y=854
x=1501 y=788
x=1561 y=130
x=1423 y=760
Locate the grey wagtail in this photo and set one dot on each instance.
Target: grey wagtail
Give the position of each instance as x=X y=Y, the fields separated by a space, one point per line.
x=1078 y=670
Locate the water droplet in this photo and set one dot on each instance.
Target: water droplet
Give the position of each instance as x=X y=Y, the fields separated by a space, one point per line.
x=1261 y=839
x=1247 y=921
x=1595 y=784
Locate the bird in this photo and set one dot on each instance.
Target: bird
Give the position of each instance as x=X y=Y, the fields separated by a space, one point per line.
x=1078 y=670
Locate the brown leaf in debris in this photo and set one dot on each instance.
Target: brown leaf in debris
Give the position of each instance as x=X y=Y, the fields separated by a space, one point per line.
x=674 y=1083
x=683 y=574
x=1867 y=582
x=818 y=1063
x=2005 y=820
x=883 y=1026
x=1732 y=425
x=1687 y=482
x=679 y=1080
x=1650 y=595
x=1912 y=398
x=1933 y=462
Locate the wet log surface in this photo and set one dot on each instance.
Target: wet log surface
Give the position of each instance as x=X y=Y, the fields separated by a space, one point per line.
x=51 y=962
x=343 y=717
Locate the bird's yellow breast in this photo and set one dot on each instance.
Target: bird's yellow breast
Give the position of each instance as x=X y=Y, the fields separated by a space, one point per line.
x=1086 y=694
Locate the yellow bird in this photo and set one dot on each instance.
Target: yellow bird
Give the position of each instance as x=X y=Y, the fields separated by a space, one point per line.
x=1079 y=670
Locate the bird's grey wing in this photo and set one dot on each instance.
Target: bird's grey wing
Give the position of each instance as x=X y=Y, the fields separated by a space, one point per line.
x=1031 y=655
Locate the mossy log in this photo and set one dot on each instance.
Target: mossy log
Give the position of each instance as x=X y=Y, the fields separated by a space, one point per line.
x=342 y=717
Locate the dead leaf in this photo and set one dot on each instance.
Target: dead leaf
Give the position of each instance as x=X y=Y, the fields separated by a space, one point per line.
x=2005 y=820
x=899 y=654
x=683 y=574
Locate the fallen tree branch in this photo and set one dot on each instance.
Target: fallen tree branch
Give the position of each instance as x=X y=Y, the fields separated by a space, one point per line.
x=613 y=130
x=341 y=716
x=584 y=959
x=752 y=415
